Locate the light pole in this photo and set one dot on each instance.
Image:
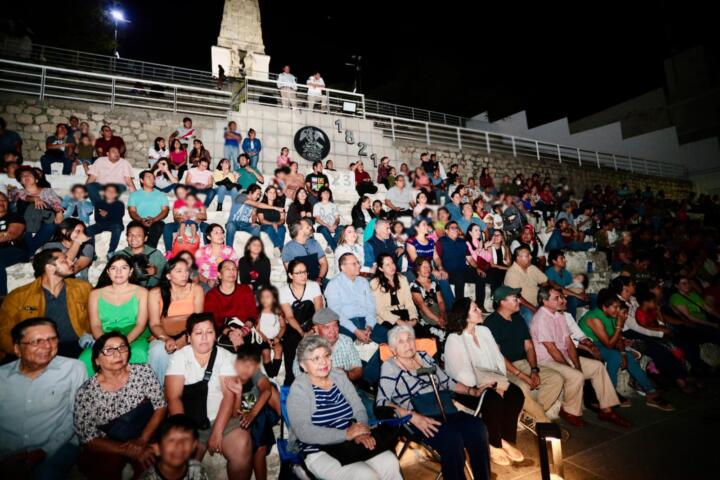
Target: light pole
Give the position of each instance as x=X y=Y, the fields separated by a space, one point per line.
x=355 y=64
x=118 y=17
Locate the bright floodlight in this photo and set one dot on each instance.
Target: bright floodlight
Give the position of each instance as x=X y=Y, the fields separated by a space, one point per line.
x=117 y=15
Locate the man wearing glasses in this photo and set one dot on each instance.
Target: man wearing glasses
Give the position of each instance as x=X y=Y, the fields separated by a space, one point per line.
x=37 y=437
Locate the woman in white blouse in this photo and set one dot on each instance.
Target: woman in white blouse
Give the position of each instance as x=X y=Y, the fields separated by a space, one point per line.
x=349 y=244
x=473 y=358
x=157 y=151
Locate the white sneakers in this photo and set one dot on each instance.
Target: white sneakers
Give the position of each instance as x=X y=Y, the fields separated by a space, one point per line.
x=506 y=455
x=513 y=453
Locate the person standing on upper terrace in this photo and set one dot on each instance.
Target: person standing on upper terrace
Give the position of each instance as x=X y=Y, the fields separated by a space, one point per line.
x=107 y=140
x=112 y=169
x=287 y=84
x=315 y=94
x=186 y=134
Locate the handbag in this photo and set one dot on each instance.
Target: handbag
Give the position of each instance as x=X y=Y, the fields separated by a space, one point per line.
x=426 y=404
x=194 y=396
x=129 y=425
x=484 y=376
x=349 y=452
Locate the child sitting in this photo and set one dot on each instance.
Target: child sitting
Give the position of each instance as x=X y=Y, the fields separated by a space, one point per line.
x=177 y=439
x=77 y=205
x=109 y=214
x=579 y=284
x=187 y=209
x=84 y=153
x=271 y=328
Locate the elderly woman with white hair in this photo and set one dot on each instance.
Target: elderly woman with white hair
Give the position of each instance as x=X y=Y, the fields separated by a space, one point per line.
x=406 y=387
x=329 y=421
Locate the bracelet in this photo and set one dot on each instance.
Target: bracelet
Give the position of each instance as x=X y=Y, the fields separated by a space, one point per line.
x=534 y=370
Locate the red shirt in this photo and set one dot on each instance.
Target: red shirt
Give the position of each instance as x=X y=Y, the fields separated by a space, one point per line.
x=105 y=145
x=361 y=177
x=240 y=304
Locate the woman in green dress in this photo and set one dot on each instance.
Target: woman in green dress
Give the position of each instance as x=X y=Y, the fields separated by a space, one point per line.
x=119 y=304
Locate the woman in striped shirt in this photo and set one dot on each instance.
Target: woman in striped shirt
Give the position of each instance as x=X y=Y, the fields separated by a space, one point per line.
x=325 y=411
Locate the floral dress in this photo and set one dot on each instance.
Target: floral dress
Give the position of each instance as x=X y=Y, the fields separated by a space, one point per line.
x=208 y=264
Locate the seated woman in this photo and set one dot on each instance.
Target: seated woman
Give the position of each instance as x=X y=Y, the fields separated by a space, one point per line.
x=330 y=422
x=12 y=243
x=117 y=411
x=421 y=245
x=473 y=358
x=272 y=221
x=361 y=213
x=169 y=306
x=40 y=206
x=119 y=304
x=254 y=266
x=604 y=325
x=427 y=297
x=226 y=182
x=165 y=179
x=363 y=182
x=209 y=256
x=405 y=389
x=300 y=207
x=185 y=373
x=349 y=243
x=327 y=218
x=70 y=237
x=228 y=299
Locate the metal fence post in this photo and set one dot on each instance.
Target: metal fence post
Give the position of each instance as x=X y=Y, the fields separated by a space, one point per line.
x=392 y=127
x=112 y=95
x=512 y=139
x=363 y=105
x=537 y=149
x=614 y=162
x=459 y=138
x=597 y=159
x=43 y=73
x=487 y=141
x=427 y=132
x=175 y=99
x=579 y=158
x=559 y=154
x=631 y=164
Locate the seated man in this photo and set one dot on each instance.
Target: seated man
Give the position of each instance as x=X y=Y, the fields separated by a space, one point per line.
x=53 y=294
x=512 y=336
x=400 y=199
x=349 y=294
x=562 y=277
x=112 y=169
x=107 y=140
x=177 y=439
x=556 y=350
x=248 y=175
x=149 y=206
x=381 y=242
x=137 y=235
x=60 y=147
x=37 y=436
x=305 y=248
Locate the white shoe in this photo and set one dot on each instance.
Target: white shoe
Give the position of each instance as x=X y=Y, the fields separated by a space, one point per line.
x=513 y=453
x=499 y=457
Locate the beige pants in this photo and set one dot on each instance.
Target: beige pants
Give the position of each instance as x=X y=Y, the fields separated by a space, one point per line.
x=592 y=370
x=312 y=100
x=287 y=96
x=551 y=384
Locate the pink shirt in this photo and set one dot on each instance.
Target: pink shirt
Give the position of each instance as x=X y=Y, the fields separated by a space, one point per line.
x=208 y=264
x=107 y=172
x=549 y=327
x=283 y=161
x=201 y=177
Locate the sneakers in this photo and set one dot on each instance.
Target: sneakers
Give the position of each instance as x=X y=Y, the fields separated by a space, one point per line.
x=512 y=453
x=659 y=403
x=499 y=457
x=573 y=420
x=613 y=417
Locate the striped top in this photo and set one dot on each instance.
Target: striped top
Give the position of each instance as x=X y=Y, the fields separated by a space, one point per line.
x=332 y=410
x=399 y=386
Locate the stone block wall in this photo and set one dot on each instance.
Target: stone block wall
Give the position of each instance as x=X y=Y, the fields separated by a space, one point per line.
x=35 y=120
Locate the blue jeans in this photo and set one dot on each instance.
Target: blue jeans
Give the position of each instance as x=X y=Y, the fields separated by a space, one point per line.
x=254 y=160
x=612 y=363
x=94 y=190
x=209 y=195
x=329 y=237
x=222 y=191
x=231 y=228
x=37 y=240
x=115 y=229
x=231 y=152
x=47 y=160
x=276 y=236
x=9 y=256
x=158 y=359
x=58 y=465
x=573 y=303
x=167 y=189
x=527 y=314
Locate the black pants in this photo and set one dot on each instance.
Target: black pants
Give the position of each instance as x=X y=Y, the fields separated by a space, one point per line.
x=665 y=361
x=495 y=277
x=366 y=187
x=500 y=414
x=155 y=232
x=468 y=275
x=394 y=215
x=290 y=342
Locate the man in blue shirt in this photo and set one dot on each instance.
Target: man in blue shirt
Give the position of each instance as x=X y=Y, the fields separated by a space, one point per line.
x=455 y=260
x=349 y=295
x=453 y=206
x=560 y=275
x=149 y=207
x=306 y=249
x=37 y=437
x=381 y=242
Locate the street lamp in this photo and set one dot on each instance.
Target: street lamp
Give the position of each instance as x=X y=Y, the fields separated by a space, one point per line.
x=117 y=17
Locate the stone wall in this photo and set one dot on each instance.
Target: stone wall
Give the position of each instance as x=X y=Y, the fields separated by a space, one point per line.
x=35 y=120
x=471 y=162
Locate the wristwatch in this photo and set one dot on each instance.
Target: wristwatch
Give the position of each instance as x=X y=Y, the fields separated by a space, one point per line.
x=534 y=370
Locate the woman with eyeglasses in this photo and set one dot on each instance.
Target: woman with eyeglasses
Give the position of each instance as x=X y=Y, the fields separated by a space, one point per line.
x=117 y=411
x=119 y=304
x=299 y=300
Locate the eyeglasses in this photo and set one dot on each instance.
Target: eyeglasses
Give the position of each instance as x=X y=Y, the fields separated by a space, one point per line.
x=302 y=272
x=317 y=359
x=41 y=341
x=110 y=351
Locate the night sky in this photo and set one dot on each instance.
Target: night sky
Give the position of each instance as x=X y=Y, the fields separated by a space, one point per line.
x=459 y=57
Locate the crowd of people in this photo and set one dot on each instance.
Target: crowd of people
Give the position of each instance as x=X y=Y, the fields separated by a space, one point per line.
x=179 y=353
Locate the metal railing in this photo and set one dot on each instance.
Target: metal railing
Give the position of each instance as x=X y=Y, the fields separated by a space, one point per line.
x=428 y=133
x=13 y=49
x=117 y=91
x=402 y=111
x=337 y=102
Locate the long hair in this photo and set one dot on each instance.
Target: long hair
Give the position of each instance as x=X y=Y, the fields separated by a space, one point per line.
x=104 y=279
x=457 y=316
x=65 y=228
x=276 y=299
x=166 y=286
x=157 y=144
x=382 y=279
x=246 y=254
